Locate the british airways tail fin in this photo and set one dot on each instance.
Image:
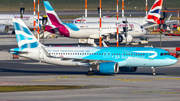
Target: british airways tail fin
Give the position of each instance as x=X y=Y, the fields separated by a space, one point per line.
x=24 y=36
x=155 y=12
x=53 y=19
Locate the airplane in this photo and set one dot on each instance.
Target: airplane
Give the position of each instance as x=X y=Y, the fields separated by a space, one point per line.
x=152 y=19
x=6 y=21
x=107 y=60
x=89 y=30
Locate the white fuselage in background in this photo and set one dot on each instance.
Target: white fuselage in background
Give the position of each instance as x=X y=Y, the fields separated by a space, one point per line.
x=91 y=30
x=142 y=21
x=6 y=19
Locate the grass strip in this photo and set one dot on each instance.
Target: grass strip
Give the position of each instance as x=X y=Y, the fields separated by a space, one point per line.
x=35 y=88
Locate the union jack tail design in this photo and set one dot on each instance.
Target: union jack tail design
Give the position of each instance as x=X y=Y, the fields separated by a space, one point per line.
x=155 y=12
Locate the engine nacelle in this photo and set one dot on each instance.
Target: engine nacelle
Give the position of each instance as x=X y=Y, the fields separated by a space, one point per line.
x=122 y=38
x=128 y=69
x=4 y=28
x=108 y=68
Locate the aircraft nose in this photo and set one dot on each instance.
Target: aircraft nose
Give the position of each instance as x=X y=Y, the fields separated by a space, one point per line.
x=172 y=60
x=144 y=31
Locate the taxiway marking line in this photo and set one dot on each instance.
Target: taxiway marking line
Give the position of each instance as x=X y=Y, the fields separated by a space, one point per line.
x=154 y=79
x=161 y=92
x=45 y=80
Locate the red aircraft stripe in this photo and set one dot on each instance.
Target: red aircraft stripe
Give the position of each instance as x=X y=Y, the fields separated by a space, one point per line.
x=159 y=3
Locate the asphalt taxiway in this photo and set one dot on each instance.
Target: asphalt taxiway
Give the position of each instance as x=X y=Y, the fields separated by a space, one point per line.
x=137 y=86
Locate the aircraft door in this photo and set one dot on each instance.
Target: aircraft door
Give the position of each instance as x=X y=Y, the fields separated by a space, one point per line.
x=151 y=54
x=41 y=54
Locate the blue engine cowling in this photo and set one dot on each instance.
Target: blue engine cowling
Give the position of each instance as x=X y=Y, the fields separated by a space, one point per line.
x=108 y=68
x=128 y=69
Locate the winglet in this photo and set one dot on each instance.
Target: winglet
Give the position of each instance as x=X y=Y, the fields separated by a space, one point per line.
x=169 y=17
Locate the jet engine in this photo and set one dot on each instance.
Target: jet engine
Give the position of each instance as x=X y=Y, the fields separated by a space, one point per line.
x=4 y=28
x=128 y=69
x=108 y=68
x=122 y=38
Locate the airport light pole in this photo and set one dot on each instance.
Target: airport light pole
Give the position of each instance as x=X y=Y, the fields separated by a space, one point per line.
x=35 y=16
x=178 y=22
x=38 y=20
x=85 y=8
x=125 y=29
x=126 y=32
x=44 y=21
x=22 y=9
x=100 y=25
x=161 y=28
x=122 y=8
x=146 y=6
x=117 y=27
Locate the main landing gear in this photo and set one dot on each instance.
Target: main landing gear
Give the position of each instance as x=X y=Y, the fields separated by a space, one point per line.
x=90 y=72
x=153 y=70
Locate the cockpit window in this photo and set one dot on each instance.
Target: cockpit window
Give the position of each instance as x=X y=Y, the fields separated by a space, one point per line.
x=141 y=27
x=164 y=54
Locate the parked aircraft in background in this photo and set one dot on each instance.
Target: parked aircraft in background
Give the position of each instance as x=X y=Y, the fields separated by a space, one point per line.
x=89 y=30
x=151 y=20
x=6 y=21
x=108 y=60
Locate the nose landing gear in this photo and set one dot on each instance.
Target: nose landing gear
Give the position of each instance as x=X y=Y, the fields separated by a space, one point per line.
x=153 y=70
x=90 y=72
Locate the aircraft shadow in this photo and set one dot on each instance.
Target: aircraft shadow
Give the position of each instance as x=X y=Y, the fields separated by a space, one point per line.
x=29 y=67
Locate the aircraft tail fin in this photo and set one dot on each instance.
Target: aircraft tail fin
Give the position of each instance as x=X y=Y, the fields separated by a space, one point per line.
x=53 y=18
x=155 y=12
x=24 y=36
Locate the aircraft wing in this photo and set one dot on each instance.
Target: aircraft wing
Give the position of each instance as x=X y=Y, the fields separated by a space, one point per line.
x=150 y=25
x=170 y=22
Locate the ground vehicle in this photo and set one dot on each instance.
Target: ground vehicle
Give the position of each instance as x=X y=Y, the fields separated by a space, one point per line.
x=174 y=25
x=172 y=52
x=142 y=40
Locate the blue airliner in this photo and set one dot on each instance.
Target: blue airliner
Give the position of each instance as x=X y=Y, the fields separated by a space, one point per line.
x=107 y=60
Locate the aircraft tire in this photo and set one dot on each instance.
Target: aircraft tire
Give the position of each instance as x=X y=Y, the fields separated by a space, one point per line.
x=89 y=73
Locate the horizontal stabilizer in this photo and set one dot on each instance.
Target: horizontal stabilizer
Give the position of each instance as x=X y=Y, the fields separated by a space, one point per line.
x=170 y=22
x=17 y=51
